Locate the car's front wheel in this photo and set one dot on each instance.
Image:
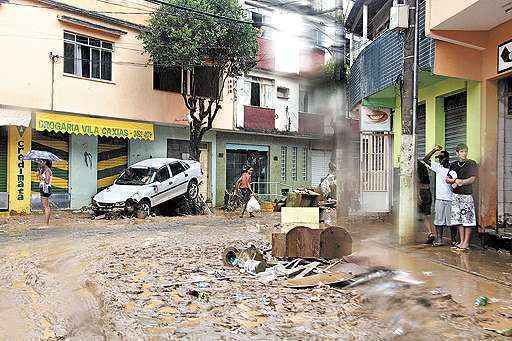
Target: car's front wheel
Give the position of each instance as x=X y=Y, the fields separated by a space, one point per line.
x=144 y=209
x=192 y=190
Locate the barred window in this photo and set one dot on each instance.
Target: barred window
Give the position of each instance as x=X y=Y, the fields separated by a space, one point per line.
x=284 y=162
x=295 y=151
x=87 y=57
x=304 y=163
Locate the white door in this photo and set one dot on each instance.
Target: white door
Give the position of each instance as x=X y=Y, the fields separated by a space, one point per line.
x=163 y=183
x=319 y=165
x=180 y=179
x=376 y=173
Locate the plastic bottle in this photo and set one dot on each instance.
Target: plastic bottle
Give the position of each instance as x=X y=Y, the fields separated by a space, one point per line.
x=481 y=301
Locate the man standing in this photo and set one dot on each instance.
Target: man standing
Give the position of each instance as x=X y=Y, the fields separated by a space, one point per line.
x=444 y=195
x=425 y=200
x=245 y=188
x=463 y=206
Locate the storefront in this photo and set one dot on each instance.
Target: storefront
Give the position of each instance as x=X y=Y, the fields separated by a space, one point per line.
x=15 y=139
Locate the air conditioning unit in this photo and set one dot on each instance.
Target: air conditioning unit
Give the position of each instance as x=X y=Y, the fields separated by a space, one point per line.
x=399 y=17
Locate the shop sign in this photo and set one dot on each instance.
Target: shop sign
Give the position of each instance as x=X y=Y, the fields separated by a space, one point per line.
x=81 y=125
x=505 y=56
x=375 y=119
x=19 y=170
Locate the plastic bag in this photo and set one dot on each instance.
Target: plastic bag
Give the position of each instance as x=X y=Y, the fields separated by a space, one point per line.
x=253 y=205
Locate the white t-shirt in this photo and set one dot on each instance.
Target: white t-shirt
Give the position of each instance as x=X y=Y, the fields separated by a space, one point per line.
x=443 y=190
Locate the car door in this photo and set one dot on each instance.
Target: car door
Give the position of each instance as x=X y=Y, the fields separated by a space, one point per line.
x=163 y=185
x=180 y=178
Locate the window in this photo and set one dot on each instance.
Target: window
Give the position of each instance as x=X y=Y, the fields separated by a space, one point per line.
x=283 y=92
x=303 y=99
x=294 y=163
x=163 y=174
x=304 y=164
x=87 y=57
x=261 y=91
x=284 y=162
x=316 y=36
x=206 y=81
x=255 y=94
x=177 y=168
x=168 y=79
x=259 y=21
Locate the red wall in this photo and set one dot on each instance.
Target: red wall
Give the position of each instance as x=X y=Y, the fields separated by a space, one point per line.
x=311 y=60
x=266 y=56
x=259 y=118
x=311 y=123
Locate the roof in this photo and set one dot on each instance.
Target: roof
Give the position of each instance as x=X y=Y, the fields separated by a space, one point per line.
x=354 y=22
x=154 y=163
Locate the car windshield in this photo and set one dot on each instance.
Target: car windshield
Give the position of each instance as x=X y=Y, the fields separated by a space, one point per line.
x=136 y=176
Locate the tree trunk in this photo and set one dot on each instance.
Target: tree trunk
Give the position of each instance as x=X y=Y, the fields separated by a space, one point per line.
x=407 y=208
x=195 y=141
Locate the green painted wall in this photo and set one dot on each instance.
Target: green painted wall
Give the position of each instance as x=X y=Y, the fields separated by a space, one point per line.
x=433 y=96
x=274 y=144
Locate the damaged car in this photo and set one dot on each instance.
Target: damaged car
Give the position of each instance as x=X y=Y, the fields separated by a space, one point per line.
x=147 y=184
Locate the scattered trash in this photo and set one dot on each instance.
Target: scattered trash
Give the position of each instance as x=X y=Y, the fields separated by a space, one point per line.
x=481 y=301
x=317 y=280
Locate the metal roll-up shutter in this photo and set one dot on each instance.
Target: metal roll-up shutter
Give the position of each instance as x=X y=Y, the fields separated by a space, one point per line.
x=112 y=160
x=3 y=169
x=319 y=165
x=58 y=144
x=421 y=122
x=455 y=111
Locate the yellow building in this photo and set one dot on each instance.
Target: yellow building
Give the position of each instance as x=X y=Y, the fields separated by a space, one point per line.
x=75 y=81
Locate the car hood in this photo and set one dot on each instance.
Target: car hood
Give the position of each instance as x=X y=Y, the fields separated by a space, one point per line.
x=118 y=193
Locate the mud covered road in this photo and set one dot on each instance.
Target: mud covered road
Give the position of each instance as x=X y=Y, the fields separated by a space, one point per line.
x=163 y=277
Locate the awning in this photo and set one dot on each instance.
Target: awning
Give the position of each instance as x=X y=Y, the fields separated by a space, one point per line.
x=82 y=125
x=236 y=146
x=15 y=117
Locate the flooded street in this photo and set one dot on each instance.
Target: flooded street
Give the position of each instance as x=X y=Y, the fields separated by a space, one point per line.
x=163 y=277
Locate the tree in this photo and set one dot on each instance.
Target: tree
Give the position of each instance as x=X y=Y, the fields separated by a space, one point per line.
x=211 y=46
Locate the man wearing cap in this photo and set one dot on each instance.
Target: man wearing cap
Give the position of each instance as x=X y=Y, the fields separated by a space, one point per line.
x=444 y=195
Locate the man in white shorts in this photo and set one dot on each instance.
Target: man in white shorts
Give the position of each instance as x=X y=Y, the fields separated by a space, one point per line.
x=444 y=195
x=463 y=206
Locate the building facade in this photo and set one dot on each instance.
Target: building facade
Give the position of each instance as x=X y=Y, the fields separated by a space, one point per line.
x=78 y=84
x=464 y=88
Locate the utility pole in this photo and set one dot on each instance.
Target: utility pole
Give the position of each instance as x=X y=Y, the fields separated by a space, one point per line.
x=345 y=168
x=408 y=154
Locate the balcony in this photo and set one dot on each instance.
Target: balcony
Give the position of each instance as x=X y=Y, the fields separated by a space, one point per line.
x=259 y=118
x=380 y=63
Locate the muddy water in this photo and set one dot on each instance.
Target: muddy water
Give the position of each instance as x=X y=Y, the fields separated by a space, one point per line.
x=139 y=279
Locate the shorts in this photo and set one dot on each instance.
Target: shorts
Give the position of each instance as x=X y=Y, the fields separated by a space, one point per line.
x=463 y=210
x=443 y=213
x=425 y=202
x=47 y=194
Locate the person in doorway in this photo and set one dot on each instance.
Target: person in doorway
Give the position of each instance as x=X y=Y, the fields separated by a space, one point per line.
x=45 y=187
x=425 y=200
x=463 y=206
x=444 y=195
x=245 y=188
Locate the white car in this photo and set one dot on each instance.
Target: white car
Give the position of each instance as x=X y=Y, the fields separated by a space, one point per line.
x=149 y=183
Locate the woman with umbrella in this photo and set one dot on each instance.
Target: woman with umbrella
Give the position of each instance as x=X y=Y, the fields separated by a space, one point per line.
x=45 y=187
x=44 y=159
